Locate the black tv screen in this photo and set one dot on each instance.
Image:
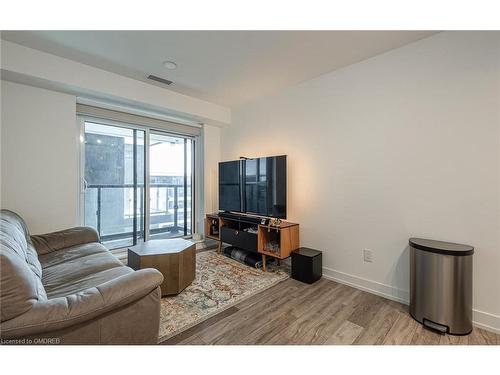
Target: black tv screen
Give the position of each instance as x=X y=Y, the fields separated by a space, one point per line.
x=261 y=189
x=230 y=186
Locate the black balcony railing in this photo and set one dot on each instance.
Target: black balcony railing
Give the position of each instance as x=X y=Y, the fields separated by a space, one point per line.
x=162 y=220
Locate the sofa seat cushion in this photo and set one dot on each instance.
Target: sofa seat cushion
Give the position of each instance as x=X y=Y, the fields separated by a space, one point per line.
x=63 y=286
x=71 y=253
x=82 y=267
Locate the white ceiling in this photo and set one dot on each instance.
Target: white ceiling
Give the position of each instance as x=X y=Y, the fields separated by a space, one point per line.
x=223 y=67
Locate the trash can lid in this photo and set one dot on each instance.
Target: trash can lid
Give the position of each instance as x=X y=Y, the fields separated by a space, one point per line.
x=440 y=247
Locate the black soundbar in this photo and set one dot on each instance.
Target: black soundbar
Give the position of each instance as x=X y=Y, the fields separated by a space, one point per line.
x=242 y=218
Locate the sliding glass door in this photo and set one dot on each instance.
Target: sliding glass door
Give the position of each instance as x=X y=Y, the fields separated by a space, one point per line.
x=126 y=167
x=170 y=185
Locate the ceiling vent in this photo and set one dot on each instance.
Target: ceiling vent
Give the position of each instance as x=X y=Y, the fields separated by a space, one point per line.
x=159 y=79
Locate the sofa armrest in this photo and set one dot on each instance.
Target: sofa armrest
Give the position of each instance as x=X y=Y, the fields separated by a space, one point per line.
x=62 y=312
x=49 y=242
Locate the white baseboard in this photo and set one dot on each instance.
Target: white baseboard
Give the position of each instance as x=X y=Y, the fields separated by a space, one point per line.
x=487 y=321
x=481 y=319
x=383 y=290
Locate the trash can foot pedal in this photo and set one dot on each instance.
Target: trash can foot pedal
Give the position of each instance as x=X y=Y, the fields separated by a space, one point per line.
x=436 y=326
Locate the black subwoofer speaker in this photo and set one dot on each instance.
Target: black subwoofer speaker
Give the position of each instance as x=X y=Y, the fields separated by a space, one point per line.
x=307 y=265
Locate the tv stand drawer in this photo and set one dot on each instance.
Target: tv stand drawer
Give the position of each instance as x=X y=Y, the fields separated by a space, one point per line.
x=239 y=238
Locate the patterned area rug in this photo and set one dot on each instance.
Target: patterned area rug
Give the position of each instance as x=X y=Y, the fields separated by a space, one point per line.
x=219 y=284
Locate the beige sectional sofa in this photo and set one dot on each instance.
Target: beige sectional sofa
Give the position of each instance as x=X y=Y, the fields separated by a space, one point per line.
x=66 y=288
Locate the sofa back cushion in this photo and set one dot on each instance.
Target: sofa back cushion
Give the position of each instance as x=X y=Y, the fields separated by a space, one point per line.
x=20 y=270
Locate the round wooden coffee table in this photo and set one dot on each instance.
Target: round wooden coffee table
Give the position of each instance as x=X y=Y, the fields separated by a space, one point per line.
x=174 y=258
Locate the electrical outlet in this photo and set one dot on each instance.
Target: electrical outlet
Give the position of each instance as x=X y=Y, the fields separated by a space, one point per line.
x=367 y=255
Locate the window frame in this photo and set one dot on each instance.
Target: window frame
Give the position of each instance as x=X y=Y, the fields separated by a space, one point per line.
x=196 y=163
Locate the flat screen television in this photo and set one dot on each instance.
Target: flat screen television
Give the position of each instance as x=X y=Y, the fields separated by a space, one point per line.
x=254 y=186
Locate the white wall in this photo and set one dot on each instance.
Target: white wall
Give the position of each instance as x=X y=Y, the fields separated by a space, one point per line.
x=404 y=144
x=39 y=156
x=212 y=156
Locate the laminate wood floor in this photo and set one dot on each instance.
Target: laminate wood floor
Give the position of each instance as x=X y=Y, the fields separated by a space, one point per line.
x=293 y=313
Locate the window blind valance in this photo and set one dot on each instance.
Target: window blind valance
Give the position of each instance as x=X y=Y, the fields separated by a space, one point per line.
x=108 y=114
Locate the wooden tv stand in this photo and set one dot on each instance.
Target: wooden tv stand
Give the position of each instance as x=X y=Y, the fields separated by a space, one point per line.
x=274 y=241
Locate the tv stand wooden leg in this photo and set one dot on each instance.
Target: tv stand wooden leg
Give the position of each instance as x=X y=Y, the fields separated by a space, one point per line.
x=264 y=262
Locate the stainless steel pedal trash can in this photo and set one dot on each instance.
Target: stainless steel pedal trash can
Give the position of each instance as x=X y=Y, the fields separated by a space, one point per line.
x=441 y=285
